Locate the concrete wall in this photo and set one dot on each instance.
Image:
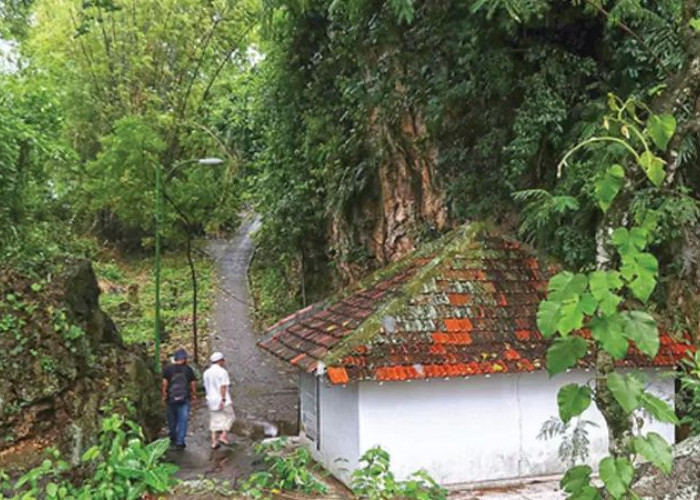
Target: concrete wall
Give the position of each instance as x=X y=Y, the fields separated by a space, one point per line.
x=473 y=430
x=338 y=446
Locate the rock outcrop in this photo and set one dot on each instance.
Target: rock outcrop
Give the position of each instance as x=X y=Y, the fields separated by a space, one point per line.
x=684 y=481
x=63 y=365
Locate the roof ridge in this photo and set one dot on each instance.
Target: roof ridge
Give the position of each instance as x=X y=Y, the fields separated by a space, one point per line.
x=372 y=324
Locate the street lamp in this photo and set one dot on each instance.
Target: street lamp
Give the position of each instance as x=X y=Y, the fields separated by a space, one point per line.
x=158 y=224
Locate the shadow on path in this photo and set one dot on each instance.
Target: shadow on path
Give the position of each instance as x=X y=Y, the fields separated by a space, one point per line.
x=264 y=391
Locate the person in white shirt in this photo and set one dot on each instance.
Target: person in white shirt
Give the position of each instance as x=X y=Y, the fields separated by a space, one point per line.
x=216 y=385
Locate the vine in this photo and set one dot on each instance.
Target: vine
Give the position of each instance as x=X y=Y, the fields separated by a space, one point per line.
x=612 y=303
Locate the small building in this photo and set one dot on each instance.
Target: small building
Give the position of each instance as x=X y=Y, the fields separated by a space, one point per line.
x=437 y=359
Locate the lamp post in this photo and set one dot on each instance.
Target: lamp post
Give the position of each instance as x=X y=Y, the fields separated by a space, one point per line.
x=158 y=224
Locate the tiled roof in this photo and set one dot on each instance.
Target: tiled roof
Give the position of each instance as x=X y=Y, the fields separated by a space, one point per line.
x=464 y=306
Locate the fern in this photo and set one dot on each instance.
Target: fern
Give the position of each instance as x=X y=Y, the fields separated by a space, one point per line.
x=542 y=209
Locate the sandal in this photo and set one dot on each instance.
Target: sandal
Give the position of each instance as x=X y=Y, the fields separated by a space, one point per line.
x=215 y=446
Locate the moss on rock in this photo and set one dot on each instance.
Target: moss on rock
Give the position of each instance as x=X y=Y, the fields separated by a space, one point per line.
x=62 y=361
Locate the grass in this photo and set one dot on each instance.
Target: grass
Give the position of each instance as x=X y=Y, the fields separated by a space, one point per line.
x=128 y=296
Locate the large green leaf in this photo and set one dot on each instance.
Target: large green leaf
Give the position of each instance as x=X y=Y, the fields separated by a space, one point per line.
x=566 y=285
x=641 y=328
x=609 y=331
x=659 y=409
x=627 y=390
x=632 y=241
x=564 y=353
x=608 y=185
x=661 y=128
x=586 y=493
x=156 y=450
x=573 y=312
x=602 y=284
x=640 y=271
x=576 y=479
x=548 y=314
x=573 y=399
x=617 y=475
x=656 y=450
x=653 y=166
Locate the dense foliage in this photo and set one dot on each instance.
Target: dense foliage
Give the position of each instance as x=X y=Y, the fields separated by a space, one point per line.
x=489 y=93
x=97 y=95
x=120 y=466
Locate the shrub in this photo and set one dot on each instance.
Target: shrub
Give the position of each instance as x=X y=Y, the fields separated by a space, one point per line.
x=285 y=471
x=375 y=481
x=120 y=466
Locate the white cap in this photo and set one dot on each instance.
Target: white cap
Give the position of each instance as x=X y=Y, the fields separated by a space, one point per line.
x=217 y=356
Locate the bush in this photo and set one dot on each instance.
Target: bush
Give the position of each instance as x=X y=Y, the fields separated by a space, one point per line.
x=120 y=466
x=285 y=472
x=375 y=481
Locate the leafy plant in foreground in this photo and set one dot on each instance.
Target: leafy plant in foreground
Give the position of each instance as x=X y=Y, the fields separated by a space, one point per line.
x=285 y=471
x=120 y=466
x=375 y=481
x=611 y=303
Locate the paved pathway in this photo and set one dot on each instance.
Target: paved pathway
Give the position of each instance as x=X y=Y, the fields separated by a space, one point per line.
x=264 y=392
x=548 y=490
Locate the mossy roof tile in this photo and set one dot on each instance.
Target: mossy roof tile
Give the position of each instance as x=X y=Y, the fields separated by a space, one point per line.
x=465 y=306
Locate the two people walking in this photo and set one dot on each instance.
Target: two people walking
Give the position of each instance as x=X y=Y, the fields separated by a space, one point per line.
x=179 y=393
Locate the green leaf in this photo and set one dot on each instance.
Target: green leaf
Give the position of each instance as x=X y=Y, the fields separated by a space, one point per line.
x=563 y=204
x=661 y=128
x=608 y=185
x=617 y=475
x=659 y=409
x=576 y=478
x=694 y=24
x=641 y=270
x=51 y=489
x=566 y=285
x=564 y=353
x=656 y=450
x=572 y=315
x=602 y=283
x=587 y=493
x=653 y=166
x=573 y=399
x=628 y=242
x=609 y=331
x=627 y=390
x=641 y=328
x=91 y=454
x=548 y=314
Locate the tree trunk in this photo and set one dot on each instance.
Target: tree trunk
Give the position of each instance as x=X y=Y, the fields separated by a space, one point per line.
x=618 y=422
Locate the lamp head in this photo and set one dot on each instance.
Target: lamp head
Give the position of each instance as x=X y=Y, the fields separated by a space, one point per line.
x=210 y=161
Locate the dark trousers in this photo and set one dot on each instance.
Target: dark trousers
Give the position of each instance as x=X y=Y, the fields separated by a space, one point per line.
x=178 y=413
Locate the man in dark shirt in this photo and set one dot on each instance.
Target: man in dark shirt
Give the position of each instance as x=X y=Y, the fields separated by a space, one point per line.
x=178 y=391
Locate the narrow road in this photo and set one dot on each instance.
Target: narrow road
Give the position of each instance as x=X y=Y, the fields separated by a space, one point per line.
x=264 y=391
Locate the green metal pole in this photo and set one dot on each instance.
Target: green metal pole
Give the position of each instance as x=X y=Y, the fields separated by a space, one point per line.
x=158 y=223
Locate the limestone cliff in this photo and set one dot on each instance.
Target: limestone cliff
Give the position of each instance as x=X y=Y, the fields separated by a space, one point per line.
x=404 y=203
x=684 y=481
x=62 y=361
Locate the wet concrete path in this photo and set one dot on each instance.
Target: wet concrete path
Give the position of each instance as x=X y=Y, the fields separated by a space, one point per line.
x=264 y=391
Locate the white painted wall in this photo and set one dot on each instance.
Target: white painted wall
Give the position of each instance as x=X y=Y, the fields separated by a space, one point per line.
x=471 y=430
x=338 y=446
